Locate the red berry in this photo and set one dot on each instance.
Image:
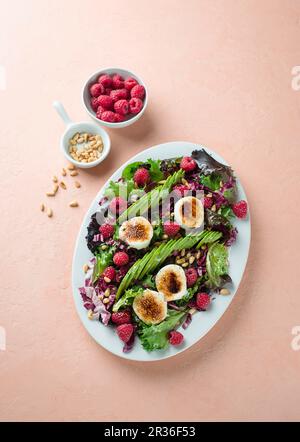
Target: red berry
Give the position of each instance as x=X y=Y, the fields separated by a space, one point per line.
x=105 y=80
x=108 y=116
x=191 y=276
x=129 y=83
x=107 y=230
x=121 y=107
x=100 y=110
x=119 y=94
x=107 y=91
x=121 y=317
x=180 y=189
x=188 y=164
x=121 y=259
x=141 y=176
x=135 y=105
x=105 y=101
x=125 y=332
x=119 y=118
x=96 y=90
x=117 y=205
x=175 y=338
x=202 y=301
x=171 y=228
x=109 y=273
x=208 y=202
x=240 y=209
x=117 y=81
x=94 y=103
x=138 y=91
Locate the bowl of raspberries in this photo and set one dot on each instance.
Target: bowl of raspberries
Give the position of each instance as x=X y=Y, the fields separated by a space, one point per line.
x=115 y=97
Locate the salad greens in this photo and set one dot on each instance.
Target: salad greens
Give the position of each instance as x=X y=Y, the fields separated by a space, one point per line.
x=155 y=337
x=103 y=260
x=216 y=264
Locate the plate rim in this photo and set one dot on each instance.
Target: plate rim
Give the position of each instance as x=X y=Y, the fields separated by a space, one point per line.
x=83 y=225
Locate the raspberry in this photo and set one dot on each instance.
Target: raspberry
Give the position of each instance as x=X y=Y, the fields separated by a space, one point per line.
x=107 y=91
x=202 y=301
x=121 y=317
x=119 y=94
x=141 y=176
x=107 y=230
x=121 y=259
x=96 y=90
x=175 y=338
x=171 y=228
x=135 y=105
x=121 y=107
x=129 y=83
x=105 y=101
x=108 y=116
x=117 y=81
x=119 y=118
x=100 y=110
x=109 y=273
x=138 y=91
x=125 y=332
x=105 y=80
x=188 y=164
x=240 y=209
x=180 y=189
x=94 y=103
x=208 y=202
x=117 y=205
x=191 y=276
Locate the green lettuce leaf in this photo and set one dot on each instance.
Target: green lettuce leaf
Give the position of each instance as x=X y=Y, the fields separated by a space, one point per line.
x=211 y=181
x=216 y=264
x=122 y=189
x=127 y=298
x=104 y=258
x=155 y=337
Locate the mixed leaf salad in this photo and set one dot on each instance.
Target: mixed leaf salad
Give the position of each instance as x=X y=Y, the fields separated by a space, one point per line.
x=160 y=242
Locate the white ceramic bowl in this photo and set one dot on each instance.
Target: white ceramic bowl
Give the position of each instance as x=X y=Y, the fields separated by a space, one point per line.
x=83 y=126
x=86 y=97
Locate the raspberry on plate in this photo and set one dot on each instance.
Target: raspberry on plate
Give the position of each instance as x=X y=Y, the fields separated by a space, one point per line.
x=108 y=116
x=208 y=202
x=171 y=228
x=191 y=276
x=141 y=176
x=180 y=189
x=117 y=205
x=105 y=80
x=121 y=259
x=109 y=273
x=202 y=301
x=138 y=91
x=129 y=83
x=125 y=332
x=175 y=337
x=135 y=105
x=123 y=317
x=121 y=107
x=107 y=230
x=96 y=90
x=117 y=81
x=105 y=101
x=240 y=209
x=119 y=94
x=188 y=164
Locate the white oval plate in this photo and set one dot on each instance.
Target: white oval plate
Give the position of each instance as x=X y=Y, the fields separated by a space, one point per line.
x=202 y=321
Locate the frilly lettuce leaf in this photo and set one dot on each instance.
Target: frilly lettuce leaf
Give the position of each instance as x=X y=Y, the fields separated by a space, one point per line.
x=208 y=165
x=217 y=264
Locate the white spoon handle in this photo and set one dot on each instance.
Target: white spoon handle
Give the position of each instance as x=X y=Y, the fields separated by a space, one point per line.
x=62 y=112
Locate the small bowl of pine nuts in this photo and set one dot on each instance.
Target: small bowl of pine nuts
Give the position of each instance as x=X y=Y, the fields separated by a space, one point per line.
x=84 y=144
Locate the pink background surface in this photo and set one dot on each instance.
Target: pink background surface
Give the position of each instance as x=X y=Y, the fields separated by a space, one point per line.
x=218 y=73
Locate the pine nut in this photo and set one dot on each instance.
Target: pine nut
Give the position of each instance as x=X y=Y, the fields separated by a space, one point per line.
x=49 y=212
x=198 y=254
x=107 y=293
x=185 y=264
x=55 y=179
x=50 y=193
x=214 y=208
x=191 y=259
x=63 y=185
x=55 y=188
x=86 y=268
x=106 y=279
x=182 y=253
x=77 y=184
x=63 y=172
x=74 y=173
x=105 y=301
x=90 y=314
x=185 y=182
x=73 y=204
x=165 y=236
x=104 y=247
x=188 y=254
x=224 y=292
x=70 y=167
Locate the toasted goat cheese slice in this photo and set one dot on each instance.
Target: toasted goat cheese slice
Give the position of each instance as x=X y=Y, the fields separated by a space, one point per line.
x=171 y=282
x=136 y=232
x=189 y=212
x=150 y=307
